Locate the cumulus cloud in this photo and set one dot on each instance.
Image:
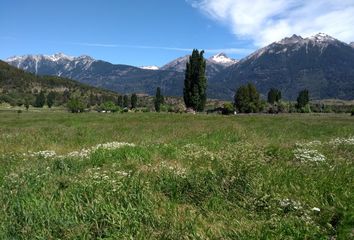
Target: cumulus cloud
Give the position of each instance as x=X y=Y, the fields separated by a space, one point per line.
x=266 y=21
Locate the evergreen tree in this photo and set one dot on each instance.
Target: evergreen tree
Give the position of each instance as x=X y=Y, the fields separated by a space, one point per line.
x=195 y=82
x=125 y=101
x=134 y=100
x=40 y=100
x=247 y=99
x=159 y=99
x=303 y=99
x=274 y=95
x=120 y=101
x=27 y=104
x=50 y=99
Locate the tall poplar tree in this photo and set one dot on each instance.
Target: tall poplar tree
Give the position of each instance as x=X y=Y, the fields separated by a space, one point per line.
x=195 y=82
x=159 y=99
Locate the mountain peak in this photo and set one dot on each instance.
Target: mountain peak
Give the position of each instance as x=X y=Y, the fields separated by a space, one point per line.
x=293 y=39
x=58 y=56
x=322 y=37
x=222 y=58
x=84 y=57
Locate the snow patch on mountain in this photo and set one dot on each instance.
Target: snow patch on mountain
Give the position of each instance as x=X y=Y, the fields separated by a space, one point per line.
x=153 y=67
x=222 y=58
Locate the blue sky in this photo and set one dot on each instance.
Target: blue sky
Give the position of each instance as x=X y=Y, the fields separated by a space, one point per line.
x=153 y=32
x=135 y=32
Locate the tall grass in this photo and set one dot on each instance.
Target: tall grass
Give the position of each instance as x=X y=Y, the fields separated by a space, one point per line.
x=185 y=177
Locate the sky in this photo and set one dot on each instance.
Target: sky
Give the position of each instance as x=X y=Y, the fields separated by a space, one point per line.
x=154 y=32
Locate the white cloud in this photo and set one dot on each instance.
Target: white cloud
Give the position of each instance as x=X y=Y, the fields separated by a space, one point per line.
x=266 y=21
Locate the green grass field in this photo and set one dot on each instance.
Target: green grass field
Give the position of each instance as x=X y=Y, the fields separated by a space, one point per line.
x=175 y=176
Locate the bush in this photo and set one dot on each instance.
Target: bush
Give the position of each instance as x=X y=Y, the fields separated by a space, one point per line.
x=75 y=105
x=228 y=109
x=109 y=106
x=305 y=109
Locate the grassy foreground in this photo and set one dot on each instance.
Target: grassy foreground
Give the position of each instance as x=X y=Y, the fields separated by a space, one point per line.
x=168 y=176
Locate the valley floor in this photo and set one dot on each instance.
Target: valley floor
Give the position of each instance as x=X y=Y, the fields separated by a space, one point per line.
x=175 y=176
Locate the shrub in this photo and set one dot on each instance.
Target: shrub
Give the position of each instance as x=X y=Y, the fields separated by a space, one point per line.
x=109 y=106
x=228 y=109
x=75 y=105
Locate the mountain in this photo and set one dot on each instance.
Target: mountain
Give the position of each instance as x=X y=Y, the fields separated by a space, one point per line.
x=321 y=64
x=153 y=67
x=352 y=44
x=119 y=78
x=222 y=59
x=178 y=65
x=17 y=85
x=215 y=64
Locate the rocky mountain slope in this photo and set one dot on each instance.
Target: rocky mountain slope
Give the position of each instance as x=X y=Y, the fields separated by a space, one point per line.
x=120 y=78
x=17 y=85
x=321 y=64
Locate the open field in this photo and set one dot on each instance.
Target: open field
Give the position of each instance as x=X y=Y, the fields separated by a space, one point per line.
x=175 y=176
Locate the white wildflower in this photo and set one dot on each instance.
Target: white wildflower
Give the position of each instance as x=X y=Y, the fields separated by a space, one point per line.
x=309 y=155
x=288 y=203
x=342 y=141
x=44 y=154
x=315 y=209
x=83 y=153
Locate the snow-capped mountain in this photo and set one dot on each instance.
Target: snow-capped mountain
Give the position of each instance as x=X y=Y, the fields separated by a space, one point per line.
x=215 y=64
x=56 y=64
x=321 y=64
x=179 y=64
x=116 y=77
x=153 y=67
x=222 y=59
x=352 y=44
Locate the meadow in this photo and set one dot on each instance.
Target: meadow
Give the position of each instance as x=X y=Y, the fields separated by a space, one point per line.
x=176 y=176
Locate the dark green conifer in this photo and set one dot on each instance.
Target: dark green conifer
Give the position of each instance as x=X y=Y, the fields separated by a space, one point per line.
x=195 y=82
x=159 y=99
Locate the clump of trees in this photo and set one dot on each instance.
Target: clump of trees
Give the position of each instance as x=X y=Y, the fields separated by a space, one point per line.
x=125 y=101
x=159 y=100
x=274 y=96
x=303 y=101
x=75 y=105
x=247 y=99
x=195 y=82
x=134 y=100
x=40 y=100
x=50 y=99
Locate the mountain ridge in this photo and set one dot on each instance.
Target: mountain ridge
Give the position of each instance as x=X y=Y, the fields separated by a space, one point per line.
x=320 y=63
